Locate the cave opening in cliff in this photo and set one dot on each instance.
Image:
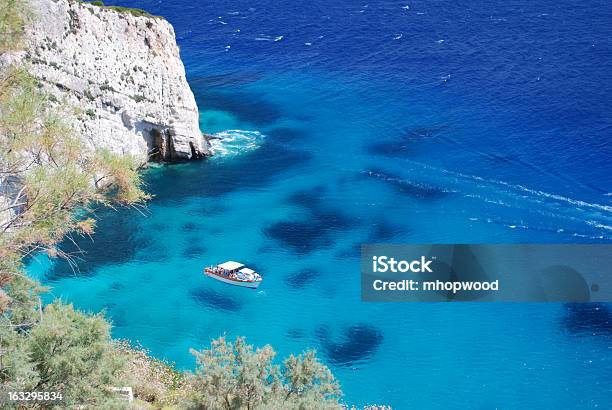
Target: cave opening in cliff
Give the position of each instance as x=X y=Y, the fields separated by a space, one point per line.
x=160 y=145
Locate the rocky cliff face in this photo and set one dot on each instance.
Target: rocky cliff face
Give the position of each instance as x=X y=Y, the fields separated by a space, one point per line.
x=124 y=73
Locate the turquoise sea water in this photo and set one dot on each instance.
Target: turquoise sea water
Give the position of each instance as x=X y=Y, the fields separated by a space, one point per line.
x=445 y=122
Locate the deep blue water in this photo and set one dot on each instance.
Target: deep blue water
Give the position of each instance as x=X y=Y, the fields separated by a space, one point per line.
x=414 y=121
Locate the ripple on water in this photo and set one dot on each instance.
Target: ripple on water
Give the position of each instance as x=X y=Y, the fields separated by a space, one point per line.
x=403 y=186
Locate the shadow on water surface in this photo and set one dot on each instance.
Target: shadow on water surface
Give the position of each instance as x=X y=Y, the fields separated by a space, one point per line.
x=356 y=344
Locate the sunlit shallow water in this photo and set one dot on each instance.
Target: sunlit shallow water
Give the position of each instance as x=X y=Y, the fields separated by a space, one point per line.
x=377 y=131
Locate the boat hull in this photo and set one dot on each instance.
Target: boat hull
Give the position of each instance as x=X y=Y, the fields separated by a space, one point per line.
x=244 y=284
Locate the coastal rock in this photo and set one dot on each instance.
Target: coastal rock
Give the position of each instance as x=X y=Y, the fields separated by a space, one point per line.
x=125 y=74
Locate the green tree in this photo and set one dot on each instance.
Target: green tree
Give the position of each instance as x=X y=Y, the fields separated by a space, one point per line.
x=235 y=375
x=72 y=353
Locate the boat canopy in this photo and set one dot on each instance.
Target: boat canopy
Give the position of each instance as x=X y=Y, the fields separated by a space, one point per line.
x=247 y=271
x=230 y=265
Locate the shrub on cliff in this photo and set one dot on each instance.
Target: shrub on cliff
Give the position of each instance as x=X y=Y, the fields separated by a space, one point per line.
x=12 y=23
x=64 y=351
x=235 y=375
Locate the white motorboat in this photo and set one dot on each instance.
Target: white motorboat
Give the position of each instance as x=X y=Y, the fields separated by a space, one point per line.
x=234 y=273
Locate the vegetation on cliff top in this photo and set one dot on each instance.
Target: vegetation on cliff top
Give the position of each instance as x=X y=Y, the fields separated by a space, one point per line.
x=131 y=10
x=50 y=185
x=12 y=22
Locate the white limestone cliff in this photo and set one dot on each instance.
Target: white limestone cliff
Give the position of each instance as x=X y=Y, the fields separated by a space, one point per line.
x=125 y=74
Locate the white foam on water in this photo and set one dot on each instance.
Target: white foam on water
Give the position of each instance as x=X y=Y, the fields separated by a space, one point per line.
x=509 y=195
x=231 y=143
x=599 y=225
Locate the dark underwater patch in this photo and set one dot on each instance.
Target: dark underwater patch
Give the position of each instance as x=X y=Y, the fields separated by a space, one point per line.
x=194 y=251
x=406 y=144
x=191 y=227
x=356 y=344
x=159 y=227
x=115 y=241
x=317 y=232
x=116 y=286
x=226 y=80
x=247 y=106
x=287 y=135
x=352 y=252
x=404 y=187
x=215 y=300
x=390 y=149
x=302 y=278
x=296 y=334
x=213 y=179
x=310 y=198
x=215 y=210
x=588 y=319
x=156 y=252
x=384 y=231
x=303 y=237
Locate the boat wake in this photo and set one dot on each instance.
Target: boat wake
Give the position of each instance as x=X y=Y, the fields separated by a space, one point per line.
x=512 y=205
x=231 y=143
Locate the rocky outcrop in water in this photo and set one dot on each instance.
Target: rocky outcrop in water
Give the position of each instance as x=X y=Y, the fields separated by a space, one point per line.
x=123 y=71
